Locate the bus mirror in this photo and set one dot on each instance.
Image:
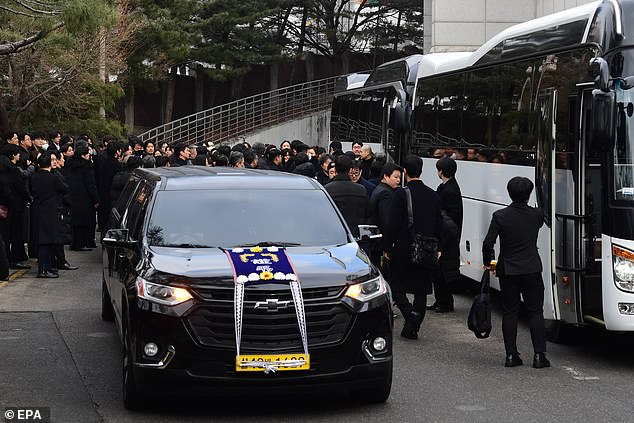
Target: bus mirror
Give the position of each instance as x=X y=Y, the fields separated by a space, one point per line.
x=600 y=71
x=402 y=96
x=402 y=118
x=603 y=117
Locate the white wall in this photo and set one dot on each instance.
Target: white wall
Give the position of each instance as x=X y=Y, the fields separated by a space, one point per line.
x=464 y=25
x=312 y=130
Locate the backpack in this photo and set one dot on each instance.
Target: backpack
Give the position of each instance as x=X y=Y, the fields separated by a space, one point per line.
x=479 y=320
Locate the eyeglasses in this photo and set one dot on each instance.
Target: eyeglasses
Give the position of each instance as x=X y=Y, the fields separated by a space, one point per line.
x=354 y=173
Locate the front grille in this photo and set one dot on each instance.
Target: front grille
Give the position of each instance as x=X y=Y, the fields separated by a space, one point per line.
x=327 y=320
x=257 y=293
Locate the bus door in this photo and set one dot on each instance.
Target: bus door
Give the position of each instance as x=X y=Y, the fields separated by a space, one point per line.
x=555 y=195
x=590 y=195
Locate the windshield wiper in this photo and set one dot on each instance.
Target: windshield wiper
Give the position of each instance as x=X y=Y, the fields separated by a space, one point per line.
x=269 y=244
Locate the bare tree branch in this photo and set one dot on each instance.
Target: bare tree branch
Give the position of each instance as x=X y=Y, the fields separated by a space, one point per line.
x=16 y=12
x=32 y=9
x=10 y=48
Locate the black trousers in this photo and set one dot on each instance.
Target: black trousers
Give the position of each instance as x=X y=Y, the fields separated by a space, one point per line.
x=446 y=274
x=83 y=236
x=403 y=304
x=4 y=262
x=44 y=257
x=59 y=256
x=15 y=242
x=531 y=287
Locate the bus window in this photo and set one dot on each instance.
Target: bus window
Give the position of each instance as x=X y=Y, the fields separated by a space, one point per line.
x=479 y=107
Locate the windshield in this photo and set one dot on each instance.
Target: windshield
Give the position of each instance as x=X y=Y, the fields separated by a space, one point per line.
x=223 y=218
x=624 y=146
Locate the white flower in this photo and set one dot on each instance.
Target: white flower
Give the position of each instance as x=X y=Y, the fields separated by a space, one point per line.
x=279 y=276
x=253 y=277
x=237 y=250
x=242 y=279
x=291 y=277
x=273 y=249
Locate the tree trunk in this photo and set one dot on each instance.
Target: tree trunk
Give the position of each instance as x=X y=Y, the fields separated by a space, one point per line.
x=199 y=89
x=169 y=100
x=236 y=87
x=129 y=108
x=310 y=67
x=273 y=76
x=4 y=119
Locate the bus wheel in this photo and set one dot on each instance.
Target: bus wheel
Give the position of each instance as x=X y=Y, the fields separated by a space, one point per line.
x=557 y=331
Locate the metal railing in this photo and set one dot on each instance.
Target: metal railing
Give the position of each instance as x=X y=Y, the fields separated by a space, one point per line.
x=229 y=121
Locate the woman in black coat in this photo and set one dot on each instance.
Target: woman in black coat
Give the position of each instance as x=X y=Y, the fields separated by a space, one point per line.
x=5 y=201
x=404 y=276
x=47 y=190
x=83 y=196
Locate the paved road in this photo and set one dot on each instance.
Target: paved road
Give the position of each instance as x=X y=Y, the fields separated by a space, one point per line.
x=56 y=351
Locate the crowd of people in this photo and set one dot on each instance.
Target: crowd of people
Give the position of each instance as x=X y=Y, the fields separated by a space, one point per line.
x=57 y=190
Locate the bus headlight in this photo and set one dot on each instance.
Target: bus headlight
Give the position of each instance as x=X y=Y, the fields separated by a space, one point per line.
x=161 y=294
x=623 y=262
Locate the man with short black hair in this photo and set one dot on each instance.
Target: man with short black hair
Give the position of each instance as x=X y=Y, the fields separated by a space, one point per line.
x=54 y=140
x=355 y=176
x=236 y=159
x=335 y=149
x=356 y=148
x=406 y=277
x=448 y=272
x=250 y=159
x=381 y=202
x=351 y=198
x=180 y=156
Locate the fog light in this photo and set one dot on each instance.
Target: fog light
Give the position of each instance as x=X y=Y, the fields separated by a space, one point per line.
x=626 y=308
x=379 y=344
x=150 y=349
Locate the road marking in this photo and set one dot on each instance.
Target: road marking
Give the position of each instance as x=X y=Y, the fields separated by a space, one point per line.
x=13 y=277
x=578 y=375
x=3 y=284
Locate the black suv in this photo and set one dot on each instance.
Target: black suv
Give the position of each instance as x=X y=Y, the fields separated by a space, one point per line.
x=168 y=282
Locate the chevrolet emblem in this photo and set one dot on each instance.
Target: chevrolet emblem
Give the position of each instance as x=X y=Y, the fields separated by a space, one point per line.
x=271 y=305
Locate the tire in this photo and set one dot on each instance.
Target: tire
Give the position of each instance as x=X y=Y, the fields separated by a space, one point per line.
x=557 y=331
x=107 y=313
x=131 y=396
x=378 y=394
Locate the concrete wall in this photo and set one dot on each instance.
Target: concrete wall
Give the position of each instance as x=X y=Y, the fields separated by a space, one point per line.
x=312 y=130
x=464 y=25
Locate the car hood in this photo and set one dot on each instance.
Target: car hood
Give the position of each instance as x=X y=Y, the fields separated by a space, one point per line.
x=315 y=266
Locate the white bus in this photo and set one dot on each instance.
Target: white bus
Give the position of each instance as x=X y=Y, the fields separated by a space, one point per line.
x=550 y=100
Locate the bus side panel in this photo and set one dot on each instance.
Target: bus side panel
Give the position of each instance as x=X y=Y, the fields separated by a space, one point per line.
x=612 y=296
x=483 y=187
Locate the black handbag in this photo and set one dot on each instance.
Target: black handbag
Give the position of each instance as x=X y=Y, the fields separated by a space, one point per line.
x=423 y=250
x=479 y=320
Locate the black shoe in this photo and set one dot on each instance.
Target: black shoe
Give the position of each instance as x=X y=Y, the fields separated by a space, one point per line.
x=431 y=307
x=67 y=266
x=412 y=325
x=49 y=275
x=443 y=309
x=19 y=265
x=540 y=361
x=513 y=360
x=409 y=332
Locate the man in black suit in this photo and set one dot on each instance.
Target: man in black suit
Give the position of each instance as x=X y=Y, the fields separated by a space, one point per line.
x=406 y=277
x=519 y=269
x=351 y=198
x=381 y=203
x=448 y=272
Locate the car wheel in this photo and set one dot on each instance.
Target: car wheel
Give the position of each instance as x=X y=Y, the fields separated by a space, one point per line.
x=377 y=394
x=131 y=395
x=107 y=313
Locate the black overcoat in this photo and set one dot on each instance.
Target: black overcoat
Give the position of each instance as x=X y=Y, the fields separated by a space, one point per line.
x=47 y=190
x=451 y=203
x=403 y=275
x=80 y=176
x=351 y=200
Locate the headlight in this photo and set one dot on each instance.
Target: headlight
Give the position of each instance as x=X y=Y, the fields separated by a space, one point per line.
x=365 y=291
x=161 y=294
x=623 y=262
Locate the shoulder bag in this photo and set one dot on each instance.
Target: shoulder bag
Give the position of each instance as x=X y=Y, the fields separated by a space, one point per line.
x=479 y=320
x=423 y=250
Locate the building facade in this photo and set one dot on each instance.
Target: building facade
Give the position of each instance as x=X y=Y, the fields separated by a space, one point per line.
x=464 y=25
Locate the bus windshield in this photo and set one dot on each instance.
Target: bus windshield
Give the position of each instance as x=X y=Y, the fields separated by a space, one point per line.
x=624 y=146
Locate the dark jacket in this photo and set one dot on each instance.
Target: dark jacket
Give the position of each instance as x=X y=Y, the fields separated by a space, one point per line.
x=306 y=169
x=517 y=226
x=405 y=276
x=365 y=168
x=118 y=183
x=18 y=196
x=451 y=204
x=83 y=191
x=351 y=200
x=110 y=167
x=47 y=190
x=369 y=187
x=380 y=207
x=321 y=176
x=65 y=229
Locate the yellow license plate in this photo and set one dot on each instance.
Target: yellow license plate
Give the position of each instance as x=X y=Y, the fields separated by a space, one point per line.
x=260 y=362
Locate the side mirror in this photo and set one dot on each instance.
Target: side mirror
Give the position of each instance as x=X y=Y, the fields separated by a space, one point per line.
x=603 y=120
x=600 y=71
x=369 y=233
x=117 y=238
